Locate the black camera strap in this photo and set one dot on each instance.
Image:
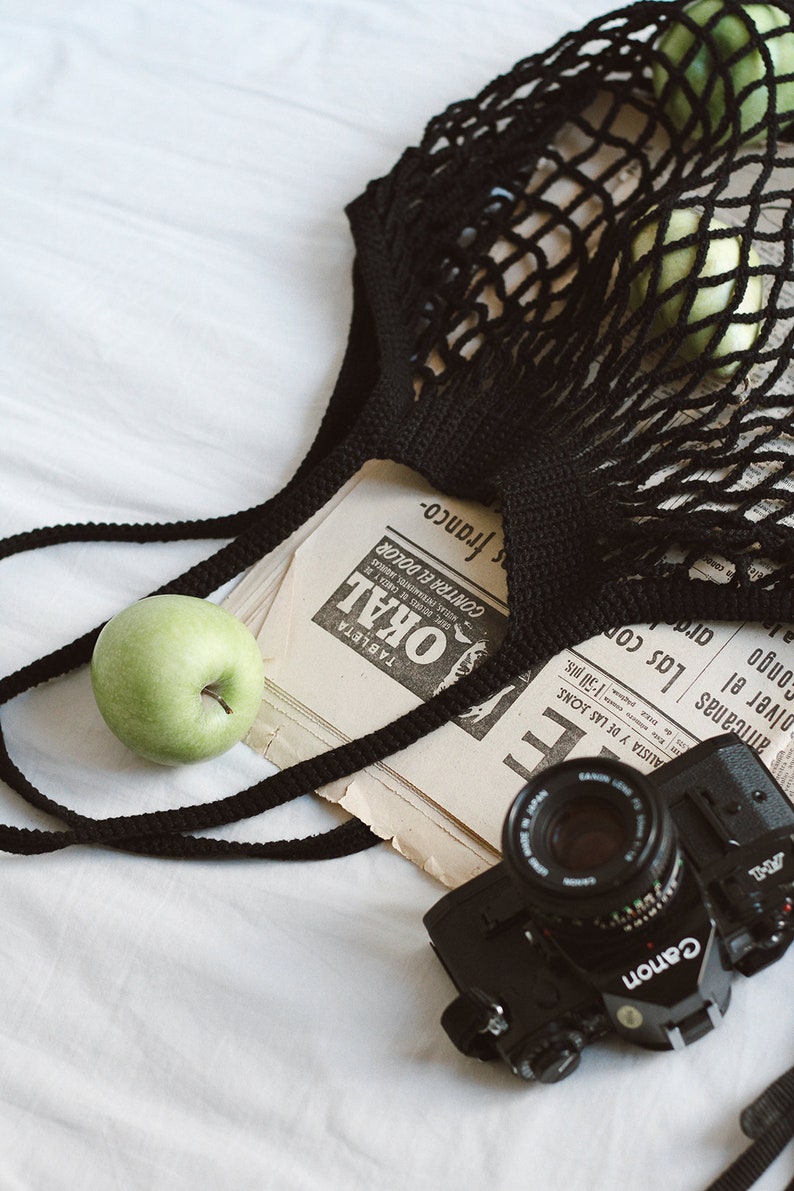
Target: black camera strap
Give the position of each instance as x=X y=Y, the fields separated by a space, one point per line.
x=769 y=1123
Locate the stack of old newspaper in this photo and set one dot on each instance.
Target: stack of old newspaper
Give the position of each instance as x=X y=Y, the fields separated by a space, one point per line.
x=394 y=590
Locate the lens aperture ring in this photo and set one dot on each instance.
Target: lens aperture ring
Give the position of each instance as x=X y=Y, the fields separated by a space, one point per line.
x=643 y=909
x=592 y=842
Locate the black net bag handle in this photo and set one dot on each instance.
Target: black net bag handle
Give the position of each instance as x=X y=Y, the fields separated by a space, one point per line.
x=498 y=347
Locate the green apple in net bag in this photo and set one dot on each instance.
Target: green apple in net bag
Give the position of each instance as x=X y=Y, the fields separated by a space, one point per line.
x=690 y=250
x=710 y=38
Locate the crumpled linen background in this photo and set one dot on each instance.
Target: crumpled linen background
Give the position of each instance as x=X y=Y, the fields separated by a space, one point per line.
x=174 y=285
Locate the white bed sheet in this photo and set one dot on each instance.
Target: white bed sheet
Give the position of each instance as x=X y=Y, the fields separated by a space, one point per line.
x=174 y=264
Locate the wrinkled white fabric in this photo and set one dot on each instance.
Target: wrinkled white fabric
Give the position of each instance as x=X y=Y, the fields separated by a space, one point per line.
x=174 y=301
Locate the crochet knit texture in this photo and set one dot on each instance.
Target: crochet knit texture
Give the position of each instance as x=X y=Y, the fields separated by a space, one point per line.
x=498 y=348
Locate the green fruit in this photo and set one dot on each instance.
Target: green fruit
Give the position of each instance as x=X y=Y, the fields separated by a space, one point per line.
x=177 y=678
x=715 y=280
x=725 y=43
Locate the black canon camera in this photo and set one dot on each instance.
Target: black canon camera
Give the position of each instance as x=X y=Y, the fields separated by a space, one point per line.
x=623 y=904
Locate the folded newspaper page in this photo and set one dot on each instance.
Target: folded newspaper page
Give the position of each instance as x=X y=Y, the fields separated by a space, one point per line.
x=395 y=591
x=399 y=590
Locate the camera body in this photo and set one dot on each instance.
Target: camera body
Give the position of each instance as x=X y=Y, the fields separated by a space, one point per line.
x=623 y=904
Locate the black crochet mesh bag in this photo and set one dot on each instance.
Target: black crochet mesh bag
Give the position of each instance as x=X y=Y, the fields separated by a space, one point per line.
x=498 y=347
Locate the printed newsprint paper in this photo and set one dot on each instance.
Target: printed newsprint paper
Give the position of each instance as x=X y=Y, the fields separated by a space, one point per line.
x=397 y=591
x=394 y=591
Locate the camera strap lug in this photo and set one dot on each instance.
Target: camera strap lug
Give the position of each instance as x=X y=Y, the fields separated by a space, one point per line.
x=491 y=1012
x=473 y=1022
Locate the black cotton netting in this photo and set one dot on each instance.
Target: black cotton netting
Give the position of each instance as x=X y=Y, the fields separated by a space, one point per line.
x=501 y=346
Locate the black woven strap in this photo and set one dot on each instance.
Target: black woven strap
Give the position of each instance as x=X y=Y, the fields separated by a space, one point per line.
x=258 y=531
x=373 y=386
x=166 y=833
x=769 y=1122
x=170 y=833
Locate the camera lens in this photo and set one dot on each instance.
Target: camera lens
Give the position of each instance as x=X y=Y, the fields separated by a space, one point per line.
x=585 y=834
x=592 y=843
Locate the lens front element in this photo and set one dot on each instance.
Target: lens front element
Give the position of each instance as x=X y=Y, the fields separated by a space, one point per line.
x=586 y=833
x=592 y=842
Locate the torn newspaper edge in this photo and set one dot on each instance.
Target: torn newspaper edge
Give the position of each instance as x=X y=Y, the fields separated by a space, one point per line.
x=397 y=591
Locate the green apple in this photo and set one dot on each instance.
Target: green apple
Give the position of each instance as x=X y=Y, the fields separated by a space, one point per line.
x=715 y=281
x=177 y=678
x=722 y=40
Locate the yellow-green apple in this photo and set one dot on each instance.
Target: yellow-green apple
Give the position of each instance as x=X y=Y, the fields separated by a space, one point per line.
x=713 y=39
x=671 y=251
x=177 y=678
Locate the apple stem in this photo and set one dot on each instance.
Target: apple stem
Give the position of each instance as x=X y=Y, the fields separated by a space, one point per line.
x=214 y=695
